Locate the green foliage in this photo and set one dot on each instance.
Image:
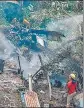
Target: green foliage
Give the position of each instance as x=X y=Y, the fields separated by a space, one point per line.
x=42 y=11
x=26 y=13
x=45 y=21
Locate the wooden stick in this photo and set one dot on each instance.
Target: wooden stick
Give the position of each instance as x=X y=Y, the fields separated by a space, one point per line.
x=30 y=82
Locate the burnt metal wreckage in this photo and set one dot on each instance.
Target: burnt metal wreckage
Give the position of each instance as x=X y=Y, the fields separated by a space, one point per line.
x=24 y=32
x=45 y=67
x=51 y=36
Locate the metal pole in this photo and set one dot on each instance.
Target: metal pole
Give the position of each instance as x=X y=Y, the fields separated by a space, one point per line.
x=19 y=64
x=50 y=91
x=30 y=82
x=40 y=59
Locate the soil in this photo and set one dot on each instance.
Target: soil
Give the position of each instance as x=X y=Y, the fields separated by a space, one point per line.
x=58 y=98
x=9 y=84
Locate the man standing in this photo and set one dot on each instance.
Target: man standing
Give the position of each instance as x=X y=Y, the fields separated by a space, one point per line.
x=71 y=87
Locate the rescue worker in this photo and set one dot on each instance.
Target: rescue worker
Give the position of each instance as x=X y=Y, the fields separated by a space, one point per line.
x=26 y=23
x=71 y=88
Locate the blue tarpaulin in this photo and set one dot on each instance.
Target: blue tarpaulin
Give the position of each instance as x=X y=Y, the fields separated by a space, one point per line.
x=56 y=77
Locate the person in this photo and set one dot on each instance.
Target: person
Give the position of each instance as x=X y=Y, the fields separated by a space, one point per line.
x=71 y=88
x=58 y=83
x=26 y=23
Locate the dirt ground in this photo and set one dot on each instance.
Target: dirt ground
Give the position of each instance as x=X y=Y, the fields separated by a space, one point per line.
x=58 y=98
x=10 y=97
x=9 y=83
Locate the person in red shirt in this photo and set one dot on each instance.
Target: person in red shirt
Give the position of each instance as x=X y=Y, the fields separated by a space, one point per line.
x=71 y=88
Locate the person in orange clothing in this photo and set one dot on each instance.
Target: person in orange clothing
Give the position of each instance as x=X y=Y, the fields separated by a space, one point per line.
x=26 y=23
x=71 y=88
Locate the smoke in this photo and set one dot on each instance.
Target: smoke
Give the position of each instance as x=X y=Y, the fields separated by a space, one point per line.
x=8 y=52
x=70 y=27
x=6 y=48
